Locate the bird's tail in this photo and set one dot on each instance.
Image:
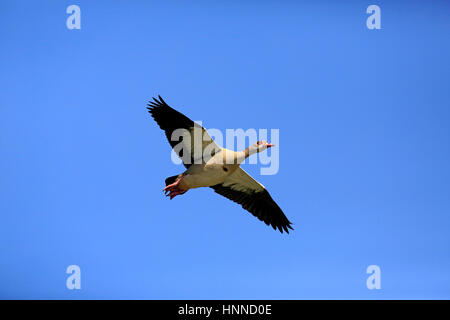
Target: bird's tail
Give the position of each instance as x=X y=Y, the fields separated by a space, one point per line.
x=171 y=180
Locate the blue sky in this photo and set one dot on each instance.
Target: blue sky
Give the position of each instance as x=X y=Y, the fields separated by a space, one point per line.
x=364 y=149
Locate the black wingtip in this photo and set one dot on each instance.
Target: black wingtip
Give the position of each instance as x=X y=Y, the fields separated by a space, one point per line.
x=161 y=99
x=286 y=227
x=155 y=103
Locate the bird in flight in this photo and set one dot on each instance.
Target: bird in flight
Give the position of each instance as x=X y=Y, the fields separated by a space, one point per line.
x=220 y=170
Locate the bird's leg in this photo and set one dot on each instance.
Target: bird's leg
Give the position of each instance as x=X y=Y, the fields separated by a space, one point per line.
x=173 y=190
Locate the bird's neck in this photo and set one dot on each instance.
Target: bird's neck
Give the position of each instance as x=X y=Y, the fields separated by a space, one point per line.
x=242 y=155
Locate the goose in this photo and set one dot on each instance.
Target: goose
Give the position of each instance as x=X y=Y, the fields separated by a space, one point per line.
x=221 y=172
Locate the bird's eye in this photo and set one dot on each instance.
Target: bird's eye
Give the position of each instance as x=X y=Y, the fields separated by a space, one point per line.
x=258 y=143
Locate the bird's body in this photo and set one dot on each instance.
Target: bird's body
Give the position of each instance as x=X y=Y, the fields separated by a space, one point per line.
x=220 y=170
x=208 y=174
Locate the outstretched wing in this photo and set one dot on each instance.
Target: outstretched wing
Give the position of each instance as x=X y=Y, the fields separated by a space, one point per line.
x=189 y=139
x=241 y=188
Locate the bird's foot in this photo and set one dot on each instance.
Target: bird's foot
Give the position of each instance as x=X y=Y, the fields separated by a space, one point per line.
x=172 y=190
x=171 y=186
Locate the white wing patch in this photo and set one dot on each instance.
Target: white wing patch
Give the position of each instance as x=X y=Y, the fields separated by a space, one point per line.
x=242 y=181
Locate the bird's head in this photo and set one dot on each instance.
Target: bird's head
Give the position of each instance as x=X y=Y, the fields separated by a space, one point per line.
x=259 y=146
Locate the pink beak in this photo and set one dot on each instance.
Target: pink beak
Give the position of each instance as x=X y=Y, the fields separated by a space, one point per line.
x=270 y=145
